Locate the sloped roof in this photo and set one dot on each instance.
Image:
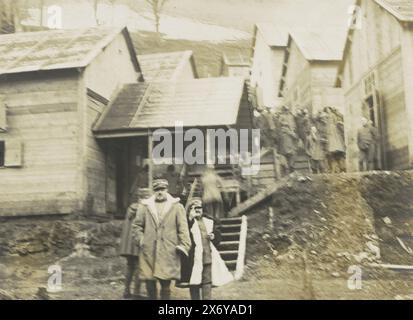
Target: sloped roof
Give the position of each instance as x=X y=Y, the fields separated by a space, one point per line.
x=318 y=45
x=274 y=36
x=165 y=66
x=401 y=9
x=208 y=102
x=56 y=49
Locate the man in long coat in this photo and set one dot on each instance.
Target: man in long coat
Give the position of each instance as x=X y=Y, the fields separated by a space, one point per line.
x=367 y=138
x=161 y=232
x=314 y=149
x=130 y=251
x=288 y=144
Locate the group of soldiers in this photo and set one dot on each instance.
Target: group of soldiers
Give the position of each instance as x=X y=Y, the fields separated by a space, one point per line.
x=320 y=137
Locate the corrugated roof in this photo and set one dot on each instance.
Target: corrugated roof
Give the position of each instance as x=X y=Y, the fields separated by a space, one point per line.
x=55 y=49
x=401 y=9
x=320 y=45
x=273 y=35
x=165 y=66
x=205 y=102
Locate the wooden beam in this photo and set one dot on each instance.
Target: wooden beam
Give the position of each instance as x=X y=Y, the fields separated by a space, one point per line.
x=150 y=150
x=113 y=135
x=407 y=61
x=257 y=199
x=392 y=266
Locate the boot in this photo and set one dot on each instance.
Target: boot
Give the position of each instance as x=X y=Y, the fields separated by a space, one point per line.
x=151 y=288
x=165 y=290
x=195 y=292
x=127 y=294
x=206 y=291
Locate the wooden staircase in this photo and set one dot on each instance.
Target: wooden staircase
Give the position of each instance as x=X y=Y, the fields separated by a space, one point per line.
x=302 y=163
x=233 y=244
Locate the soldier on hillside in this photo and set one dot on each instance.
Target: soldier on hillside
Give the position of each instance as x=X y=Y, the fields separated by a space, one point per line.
x=367 y=139
x=314 y=149
x=303 y=121
x=336 y=149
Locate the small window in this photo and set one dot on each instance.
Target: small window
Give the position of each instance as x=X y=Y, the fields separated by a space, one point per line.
x=11 y=153
x=3 y=122
x=2 y=153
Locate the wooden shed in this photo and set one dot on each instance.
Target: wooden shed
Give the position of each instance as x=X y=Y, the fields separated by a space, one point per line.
x=53 y=87
x=235 y=63
x=268 y=48
x=310 y=68
x=168 y=66
x=377 y=80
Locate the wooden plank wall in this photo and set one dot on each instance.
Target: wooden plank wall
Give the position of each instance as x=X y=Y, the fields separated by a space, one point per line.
x=266 y=175
x=266 y=70
x=42 y=113
x=391 y=92
x=379 y=36
x=394 y=111
x=96 y=165
x=298 y=77
x=376 y=46
x=352 y=120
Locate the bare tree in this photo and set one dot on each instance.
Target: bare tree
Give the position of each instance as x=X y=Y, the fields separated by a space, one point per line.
x=95 y=10
x=41 y=8
x=157 y=7
x=11 y=16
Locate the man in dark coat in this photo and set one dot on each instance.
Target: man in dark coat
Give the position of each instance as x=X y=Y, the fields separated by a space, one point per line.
x=161 y=231
x=130 y=251
x=367 y=138
x=314 y=149
x=288 y=144
x=303 y=124
x=263 y=120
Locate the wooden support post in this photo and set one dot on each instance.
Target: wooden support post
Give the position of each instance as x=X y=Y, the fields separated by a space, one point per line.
x=407 y=61
x=237 y=197
x=150 y=157
x=277 y=167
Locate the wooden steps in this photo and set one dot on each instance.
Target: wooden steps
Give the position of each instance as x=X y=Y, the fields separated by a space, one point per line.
x=232 y=236
x=233 y=243
x=302 y=163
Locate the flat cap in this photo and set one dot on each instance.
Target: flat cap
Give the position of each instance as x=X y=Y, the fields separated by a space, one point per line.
x=160 y=184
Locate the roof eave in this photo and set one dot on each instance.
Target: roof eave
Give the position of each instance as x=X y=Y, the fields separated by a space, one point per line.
x=393 y=12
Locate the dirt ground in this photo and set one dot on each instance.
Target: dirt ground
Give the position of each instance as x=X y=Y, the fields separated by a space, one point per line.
x=320 y=227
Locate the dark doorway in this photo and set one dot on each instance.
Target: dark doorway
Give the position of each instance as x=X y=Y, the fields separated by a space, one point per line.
x=2 y=153
x=373 y=113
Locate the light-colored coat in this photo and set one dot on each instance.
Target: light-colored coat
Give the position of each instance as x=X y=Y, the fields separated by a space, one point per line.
x=220 y=272
x=159 y=239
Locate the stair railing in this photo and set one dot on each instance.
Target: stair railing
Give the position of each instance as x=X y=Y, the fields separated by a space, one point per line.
x=239 y=270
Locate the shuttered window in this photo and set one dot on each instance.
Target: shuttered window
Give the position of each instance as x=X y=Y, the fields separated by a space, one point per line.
x=11 y=153
x=3 y=124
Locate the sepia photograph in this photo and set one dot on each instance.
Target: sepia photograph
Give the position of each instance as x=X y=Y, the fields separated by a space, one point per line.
x=227 y=150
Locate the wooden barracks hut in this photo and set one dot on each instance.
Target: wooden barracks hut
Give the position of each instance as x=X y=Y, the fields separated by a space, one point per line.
x=53 y=86
x=377 y=80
